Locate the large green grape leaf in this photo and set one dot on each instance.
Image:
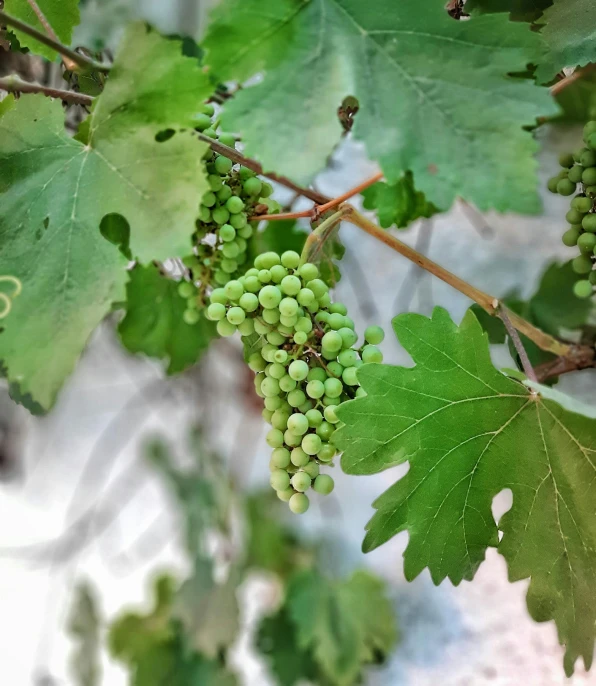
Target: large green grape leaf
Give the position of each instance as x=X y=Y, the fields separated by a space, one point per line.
x=153 y=323
x=570 y=34
x=346 y=624
x=434 y=93
x=468 y=432
x=55 y=190
x=398 y=203
x=62 y=15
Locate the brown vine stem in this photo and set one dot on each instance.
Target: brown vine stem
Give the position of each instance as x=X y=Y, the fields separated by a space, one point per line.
x=237 y=157
x=488 y=303
x=519 y=346
x=556 y=88
x=66 y=53
x=14 y=84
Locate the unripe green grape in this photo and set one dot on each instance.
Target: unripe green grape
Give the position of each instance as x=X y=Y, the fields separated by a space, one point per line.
x=287 y=384
x=245 y=173
x=575 y=174
x=374 y=335
x=220 y=215
x=227 y=232
x=225 y=328
x=275 y=437
x=261 y=327
x=266 y=190
x=583 y=289
x=248 y=302
x=234 y=205
x=311 y=444
x=565 y=187
x=204 y=214
x=348 y=358
x=238 y=221
x=290 y=259
x=589 y=176
x=589 y=222
x=336 y=321
x=566 y=160
x=592 y=278
x=209 y=199
x=305 y=297
x=314 y=389
x=307 y=405
x=582 y=264
x=301 y=482
x=267 y=351
x=592 y=141
x=589 y=128
x=304 y=324
x=288 y=307
x=298 y=457
x=586 y=243
x=300 y=338
x=215 y=182
x=275 y=370
x=326 y=453
x=317 y=374
x=256 y=362
x=281 y=356
x=273 y=403
x=279 y=420
x=314 y=417
x=275 y=338
x=252 y=284
x=286 y=495
x=330 y=414
x=333 y=388
x=318 y=287
x=230 y=250
x=296 y=397
x=288 y=322
x=270 y=387
x=271 y=315
x=186 y=289
x=216 y=311
x=308 y=272
x=191 y=317
x=266 y=414
x=227 y=139
x=322 y=317
x=223 y=165
x=324 y=484
x=236 y=315
x=202 y=121
x=335 y=369
x=247 y=327
x=299 y=503
x=574 y=217
x=291 y=285
x=280 y=457
x=371 y=353
x=246 y=231
x=279 y=479
x=591 y=191
x=269 y=296
x=234 y=289
x=312 y=469
x=350 y=376
x=224 y=193
x=266 y=260
x=292 y=439
x=325 y=431
x=325 y=300
x=360 y=392
x=588 y=158
x=252 y=186
x=552 y=184
x=278 y=273
x=298 y=370
x=332 y=341
x=220 y=277
x=210 y=132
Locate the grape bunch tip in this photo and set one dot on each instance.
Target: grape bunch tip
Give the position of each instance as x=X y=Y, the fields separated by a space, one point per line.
x=305 y=361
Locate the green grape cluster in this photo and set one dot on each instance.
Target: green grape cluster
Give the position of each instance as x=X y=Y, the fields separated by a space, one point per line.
x=306 y=364
x=579 y=170
x=223 y=228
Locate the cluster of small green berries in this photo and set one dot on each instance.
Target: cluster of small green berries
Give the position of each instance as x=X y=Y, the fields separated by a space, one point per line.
x=579 y=169
x=222 y=228
x=306 y=364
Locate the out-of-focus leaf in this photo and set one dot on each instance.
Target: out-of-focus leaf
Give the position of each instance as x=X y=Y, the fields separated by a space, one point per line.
x=84 y=626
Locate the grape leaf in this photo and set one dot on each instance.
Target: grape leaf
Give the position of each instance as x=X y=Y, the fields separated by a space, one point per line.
x=570 y=34
x=56 y=189
x=398 y=203
x=416 y=74
x=578 y=101
x=346 y=624
x=520 y=10
x=277 y=640
x=62 y=15
x=468 y=432
x=84 y=626
x=153 y=324
x=208 y=610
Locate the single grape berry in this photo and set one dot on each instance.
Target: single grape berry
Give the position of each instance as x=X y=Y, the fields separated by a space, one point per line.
x=323 y=484
x=374 y=335
x=299 y=503
x=566 y=187
x=583 y=289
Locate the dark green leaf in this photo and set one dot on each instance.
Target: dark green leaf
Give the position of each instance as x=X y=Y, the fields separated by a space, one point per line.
x=520 y=10
x=398 y=204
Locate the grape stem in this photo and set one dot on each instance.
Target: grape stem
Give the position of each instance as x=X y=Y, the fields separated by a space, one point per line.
x=316 y=240
x=13 y=84
x=68 y=63
x=488 y=303
x=519 y=346
x=66 y=53
x=556 y=88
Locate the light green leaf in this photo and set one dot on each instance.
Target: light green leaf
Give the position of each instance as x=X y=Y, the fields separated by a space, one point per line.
x=153 y=324
x=62 y=15
x=346 y=624
x=570 y=34
x=468 y=432
x=208 y=610
x=84 y=627
x=520 y=10
x=55 y=190
x=431 y=100
x=399 y=203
